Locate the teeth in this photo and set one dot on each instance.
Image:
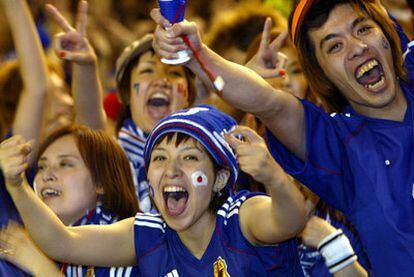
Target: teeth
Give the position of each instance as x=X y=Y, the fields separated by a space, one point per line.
x=377 y=84
x=50 y=192
x=367 y=67
x=159 y=95
x=174 y=189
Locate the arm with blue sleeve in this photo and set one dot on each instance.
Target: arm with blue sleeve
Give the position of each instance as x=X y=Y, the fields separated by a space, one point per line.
x=325 y=169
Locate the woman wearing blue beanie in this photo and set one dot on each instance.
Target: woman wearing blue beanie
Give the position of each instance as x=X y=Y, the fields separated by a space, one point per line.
x=203 y=228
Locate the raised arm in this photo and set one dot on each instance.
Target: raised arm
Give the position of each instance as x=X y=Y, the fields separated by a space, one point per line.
x=111 y=245
x=72 y=45
x=33 y=69
x=267 y=220
x=281 y=112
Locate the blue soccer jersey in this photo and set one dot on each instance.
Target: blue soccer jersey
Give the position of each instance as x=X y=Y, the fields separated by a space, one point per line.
x=7 y=212
x=160 y=252
x=365 y=168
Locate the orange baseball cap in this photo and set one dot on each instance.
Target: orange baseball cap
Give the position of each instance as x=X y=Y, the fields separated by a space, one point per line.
x=298 y=16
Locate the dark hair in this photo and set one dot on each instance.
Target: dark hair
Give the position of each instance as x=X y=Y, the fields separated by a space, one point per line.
x=11 y=88
x=318 y=14
x=124 y=90
x=240 y=26
x=108 y=165
x=219 y=198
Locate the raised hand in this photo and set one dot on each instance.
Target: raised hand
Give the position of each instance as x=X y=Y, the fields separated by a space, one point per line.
x=252 y=154
x=167 y=41
x=14 y=156
x=268 y=61
x=72 y=44
x=17 y=247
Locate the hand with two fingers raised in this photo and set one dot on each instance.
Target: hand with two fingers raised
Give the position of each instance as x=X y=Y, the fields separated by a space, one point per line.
x=72 y=44
x=268 y=62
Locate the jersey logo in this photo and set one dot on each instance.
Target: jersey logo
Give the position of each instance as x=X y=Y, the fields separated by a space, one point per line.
x=220 y=268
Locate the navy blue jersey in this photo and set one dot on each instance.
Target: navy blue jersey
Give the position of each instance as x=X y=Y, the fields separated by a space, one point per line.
x=160 y=252
x=7 y=212
x=365 y=168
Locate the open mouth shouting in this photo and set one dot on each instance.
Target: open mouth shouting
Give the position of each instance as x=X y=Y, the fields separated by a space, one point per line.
x=371 y=75
x=175 y=199
x=158 y=105
x=50 y=193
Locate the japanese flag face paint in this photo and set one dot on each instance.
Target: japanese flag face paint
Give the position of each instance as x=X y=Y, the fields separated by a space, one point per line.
x=199 y=179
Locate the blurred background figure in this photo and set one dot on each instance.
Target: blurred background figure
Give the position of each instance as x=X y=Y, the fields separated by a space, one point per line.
x=402 y=11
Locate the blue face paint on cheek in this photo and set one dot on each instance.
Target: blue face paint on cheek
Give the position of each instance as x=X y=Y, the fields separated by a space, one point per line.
x=385 y=43
x=136 y=88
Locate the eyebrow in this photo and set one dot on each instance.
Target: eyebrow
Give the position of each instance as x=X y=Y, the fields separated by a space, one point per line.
x=353 y=25
x=183 y=149
x=63 y=156
x=191 y=148
x=149 y=62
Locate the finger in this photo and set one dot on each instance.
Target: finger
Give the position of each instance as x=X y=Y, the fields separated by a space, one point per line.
x=183 y=28
x=278 y=42
x=159 y=19
x=281 y=62
x=26 y=149
x=233 y=141
x=264 y=42
x=14 y=140
x=58 y=17
x=165 y=54
x=267 y=73
x=82 y=18
x=246 y=132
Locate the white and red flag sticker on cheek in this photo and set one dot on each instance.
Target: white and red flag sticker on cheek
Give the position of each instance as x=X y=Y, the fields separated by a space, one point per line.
x=199 y=179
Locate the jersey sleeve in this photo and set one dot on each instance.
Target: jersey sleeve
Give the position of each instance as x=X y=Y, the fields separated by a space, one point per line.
x=149 y=233
x=324 y=170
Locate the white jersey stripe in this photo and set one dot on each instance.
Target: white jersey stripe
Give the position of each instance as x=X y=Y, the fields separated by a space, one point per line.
x=128 y=271
x=150 y=225
x=120 y=271
x=112 y=272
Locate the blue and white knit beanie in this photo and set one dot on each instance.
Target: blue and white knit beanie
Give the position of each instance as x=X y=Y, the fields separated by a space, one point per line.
x=208 y=126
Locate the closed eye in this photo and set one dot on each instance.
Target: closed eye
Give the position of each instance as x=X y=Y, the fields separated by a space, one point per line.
x=146 y=71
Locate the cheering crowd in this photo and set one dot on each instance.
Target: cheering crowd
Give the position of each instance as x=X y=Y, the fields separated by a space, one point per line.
x=116 y=163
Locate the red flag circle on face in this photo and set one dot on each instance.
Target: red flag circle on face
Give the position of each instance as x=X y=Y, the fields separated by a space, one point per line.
x=199 y=179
